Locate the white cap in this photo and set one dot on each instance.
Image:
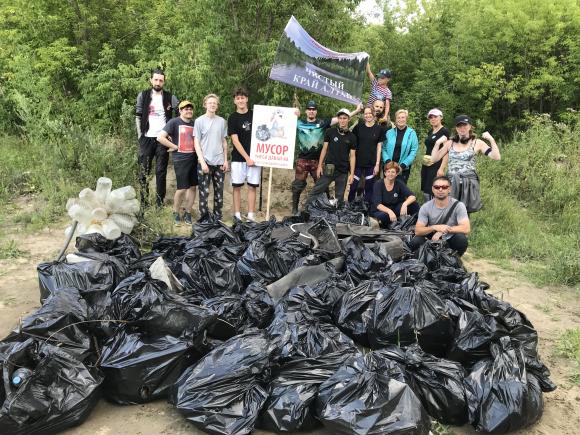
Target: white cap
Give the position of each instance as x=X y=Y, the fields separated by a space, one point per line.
x=435 y=112
x=343 y=110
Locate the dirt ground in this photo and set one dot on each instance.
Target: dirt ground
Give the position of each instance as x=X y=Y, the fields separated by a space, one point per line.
x=552 y=310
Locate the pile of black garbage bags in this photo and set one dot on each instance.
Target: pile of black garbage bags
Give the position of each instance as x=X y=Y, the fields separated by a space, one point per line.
x=282 y=326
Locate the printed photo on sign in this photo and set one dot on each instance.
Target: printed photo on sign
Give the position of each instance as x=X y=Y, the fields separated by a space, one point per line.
x=273 y=136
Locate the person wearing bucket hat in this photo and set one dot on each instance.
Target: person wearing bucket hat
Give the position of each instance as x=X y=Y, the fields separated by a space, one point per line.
x=462 y=148
x=309 y=140
x=430 y=170
x=177 y=136
x=337 y=159
x=380 y=89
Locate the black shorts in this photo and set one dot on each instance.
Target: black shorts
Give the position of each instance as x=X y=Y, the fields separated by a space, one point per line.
x=185 y=172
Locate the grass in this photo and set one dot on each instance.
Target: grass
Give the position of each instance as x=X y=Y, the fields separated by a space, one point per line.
x=568 y=346
x=11 y=250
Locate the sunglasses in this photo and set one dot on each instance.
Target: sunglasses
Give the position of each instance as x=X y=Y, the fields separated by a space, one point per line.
x=440 y=187
x=310 y=108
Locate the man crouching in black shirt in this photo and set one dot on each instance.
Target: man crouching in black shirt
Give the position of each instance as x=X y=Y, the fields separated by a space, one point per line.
x=336 y=158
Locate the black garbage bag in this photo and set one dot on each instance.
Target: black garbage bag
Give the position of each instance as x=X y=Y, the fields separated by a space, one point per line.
x=473 y=334
x=148 y=304
x=172 y=248
x=94 y=279
x=125 y=248
x=209 y=272
x=437 y=382
x=248 y=231
x=368 y=395
x=502 y=396
x=404 y=223
x=406 y=314
x=59 y=321
x=259 y=304
x=407 y=271
x=268 y=261
x=302 y=328
x=353 y=312
x=320 y=207
x=294 y=387
x=212 y=232
x=60 y=393
x=363 y=262
x=139 y=368
x=230 y=308
x=436 y=254
x=225 y=391
x=331 y=290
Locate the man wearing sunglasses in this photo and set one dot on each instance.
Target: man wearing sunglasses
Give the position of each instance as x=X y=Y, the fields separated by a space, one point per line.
x=442 y=218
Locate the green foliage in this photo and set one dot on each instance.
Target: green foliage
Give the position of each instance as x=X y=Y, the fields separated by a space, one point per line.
x=11 y=250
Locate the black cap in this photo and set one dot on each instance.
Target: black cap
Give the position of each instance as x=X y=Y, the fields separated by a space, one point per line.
x=463 y=119
x=311 y=105
x=384 y=73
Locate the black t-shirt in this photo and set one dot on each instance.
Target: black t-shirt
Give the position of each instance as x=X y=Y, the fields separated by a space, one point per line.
x=434 y=137
x=241 y=124
x=390 y=199
x=367 y=139
x=181 y=134
x=339 y=146
x=398 y=144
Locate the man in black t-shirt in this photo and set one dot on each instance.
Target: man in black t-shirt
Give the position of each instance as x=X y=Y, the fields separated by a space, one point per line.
x=337 y=159
x=177 y=136
x=244 y=170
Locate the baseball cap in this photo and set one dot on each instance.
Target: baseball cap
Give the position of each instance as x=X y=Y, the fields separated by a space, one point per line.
x=384 y=73
x=185 y=103
x=343 y=111
x=462 y=119
x=435 y=112
x=311 y=105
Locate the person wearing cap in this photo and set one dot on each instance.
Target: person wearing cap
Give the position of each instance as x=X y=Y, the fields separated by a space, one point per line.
x=244 y=170
x=442 y=218
x=401 y=145
x=154 y=108
x=337 y=159
x=177 y=136
x=392 y=198
x=380 y=89
x=430 y=170
x=211 y=146
x=369 y=136
x=309 y=140
x=462 y=149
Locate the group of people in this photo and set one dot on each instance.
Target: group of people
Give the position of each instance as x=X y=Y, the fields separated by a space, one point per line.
x=331 y=150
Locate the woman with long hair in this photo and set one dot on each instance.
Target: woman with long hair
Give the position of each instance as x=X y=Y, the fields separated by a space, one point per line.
x=462 y=149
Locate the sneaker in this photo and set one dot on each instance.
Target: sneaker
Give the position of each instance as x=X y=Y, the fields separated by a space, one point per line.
x=187 y=218
x=177 y=218
x=251 y=217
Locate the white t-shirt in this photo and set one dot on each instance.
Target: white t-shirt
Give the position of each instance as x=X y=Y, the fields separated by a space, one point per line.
x=156 y=116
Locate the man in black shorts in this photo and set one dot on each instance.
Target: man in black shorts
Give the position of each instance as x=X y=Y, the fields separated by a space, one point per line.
x=177 y=136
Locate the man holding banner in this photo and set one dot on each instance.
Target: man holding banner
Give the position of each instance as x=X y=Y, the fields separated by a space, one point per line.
x=337 y=159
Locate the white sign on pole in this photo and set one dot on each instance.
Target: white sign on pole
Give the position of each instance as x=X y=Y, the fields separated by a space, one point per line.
x=273 y=136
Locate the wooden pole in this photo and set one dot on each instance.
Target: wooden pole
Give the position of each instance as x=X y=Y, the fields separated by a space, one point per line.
x=269 y=192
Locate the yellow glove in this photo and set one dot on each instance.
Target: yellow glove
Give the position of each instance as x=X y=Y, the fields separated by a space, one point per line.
x=427 y=160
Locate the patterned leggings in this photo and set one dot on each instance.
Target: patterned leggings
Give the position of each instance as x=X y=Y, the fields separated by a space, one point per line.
x=216 y=174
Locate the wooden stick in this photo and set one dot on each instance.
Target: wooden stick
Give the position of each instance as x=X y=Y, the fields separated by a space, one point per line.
x=269 y=192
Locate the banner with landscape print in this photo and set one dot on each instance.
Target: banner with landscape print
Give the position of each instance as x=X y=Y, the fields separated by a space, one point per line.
x=304 y=63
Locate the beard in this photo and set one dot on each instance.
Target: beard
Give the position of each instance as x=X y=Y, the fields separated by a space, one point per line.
x=157 y=88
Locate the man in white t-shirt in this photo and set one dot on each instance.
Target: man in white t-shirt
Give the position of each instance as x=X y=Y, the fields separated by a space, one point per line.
x=153 y=109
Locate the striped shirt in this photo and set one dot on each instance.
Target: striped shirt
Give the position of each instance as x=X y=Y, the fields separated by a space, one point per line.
x=379 y=92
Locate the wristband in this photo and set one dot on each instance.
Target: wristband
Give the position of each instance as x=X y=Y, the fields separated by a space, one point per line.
x=489 y=150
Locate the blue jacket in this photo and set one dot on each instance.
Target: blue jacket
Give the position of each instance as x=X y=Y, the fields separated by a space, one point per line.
x=409 y=146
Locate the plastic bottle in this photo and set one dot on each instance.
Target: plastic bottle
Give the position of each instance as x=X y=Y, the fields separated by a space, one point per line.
x=20 y=375
x=103 y=189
